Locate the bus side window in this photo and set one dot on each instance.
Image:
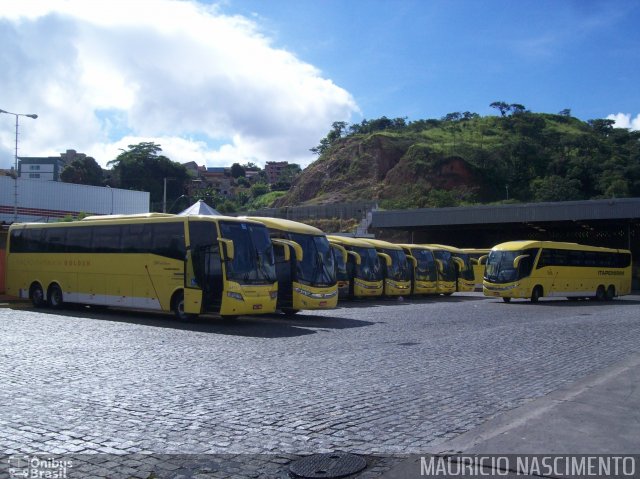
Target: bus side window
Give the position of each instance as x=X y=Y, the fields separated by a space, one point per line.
x=136 y=238
x=79 y=239
x=168 y=240
x=55 y=239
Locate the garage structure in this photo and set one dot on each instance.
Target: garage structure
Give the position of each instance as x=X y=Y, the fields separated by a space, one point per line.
x=614 y=223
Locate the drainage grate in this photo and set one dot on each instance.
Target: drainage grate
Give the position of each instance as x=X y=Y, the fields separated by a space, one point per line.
x=331 y=465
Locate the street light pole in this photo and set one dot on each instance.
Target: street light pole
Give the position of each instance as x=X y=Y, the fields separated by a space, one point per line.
x=15 y=194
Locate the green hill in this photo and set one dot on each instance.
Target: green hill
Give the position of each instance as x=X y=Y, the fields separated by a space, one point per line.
x=466 y=159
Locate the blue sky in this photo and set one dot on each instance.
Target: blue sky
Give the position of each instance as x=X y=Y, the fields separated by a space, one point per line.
x=423 y=59
x=255 y=80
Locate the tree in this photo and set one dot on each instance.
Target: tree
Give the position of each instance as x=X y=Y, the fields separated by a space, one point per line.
x=142 y=168
x=83 y=171
x=237 y=170
x=337 y=130
x=500 y=106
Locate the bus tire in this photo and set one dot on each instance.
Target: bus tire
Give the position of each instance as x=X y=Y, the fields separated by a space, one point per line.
x=36 y=295
x=177 y=306
x=536 y=294
x=290 y=311
x=601 y=294
x=54 y=296
x=611 y=293
x=506 y=299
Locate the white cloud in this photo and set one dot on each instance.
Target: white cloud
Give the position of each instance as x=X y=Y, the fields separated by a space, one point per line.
x=624 y=120
x=205 y=86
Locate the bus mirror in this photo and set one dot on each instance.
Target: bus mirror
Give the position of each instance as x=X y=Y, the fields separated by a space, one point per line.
x=413 y=261
x=285 y=250
x=228 y=249
x=386 y=257
x=356 y=257
x=290 y=244
x=341 y=250
x=483 y=259
x=459 y=262
x=440 y=266
x=517 y=259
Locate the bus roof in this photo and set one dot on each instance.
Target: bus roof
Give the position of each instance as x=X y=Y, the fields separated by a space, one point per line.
x=524 y=244
x=451 y=249
x=141 y=217
x=413 y=246
x=349 y=241
x=383 y=244
x=287 y=225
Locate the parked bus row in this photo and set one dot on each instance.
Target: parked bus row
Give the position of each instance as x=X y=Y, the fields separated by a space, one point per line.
x=254 y=265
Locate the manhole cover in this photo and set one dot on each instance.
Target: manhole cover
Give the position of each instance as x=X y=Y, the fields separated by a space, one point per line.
x=334 y=464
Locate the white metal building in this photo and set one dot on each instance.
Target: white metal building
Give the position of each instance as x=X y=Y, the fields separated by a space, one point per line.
x=44 y=201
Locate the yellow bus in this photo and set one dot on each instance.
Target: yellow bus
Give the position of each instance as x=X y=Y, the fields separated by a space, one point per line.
x=424 y=278
x=185 y=264
x=536 y=269
x=363 y=270
x=305 y=266
x=477 y=258
x=448 y=266
x=395 y=268
x=464 y=280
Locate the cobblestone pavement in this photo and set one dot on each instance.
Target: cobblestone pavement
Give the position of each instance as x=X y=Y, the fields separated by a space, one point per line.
x=376 y=379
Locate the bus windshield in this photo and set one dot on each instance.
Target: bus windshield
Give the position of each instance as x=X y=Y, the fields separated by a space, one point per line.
x=500 y=269
x=426 y=267
x=399 y=269
x=369 y=269
x=448 y=271
x=468 y=269
x=253 y=261
x=317 y=267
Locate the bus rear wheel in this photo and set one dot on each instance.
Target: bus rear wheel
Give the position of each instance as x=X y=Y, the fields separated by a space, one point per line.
x=536 y=294
x=177 y=306
x=611 y=293
x=54 y=296
x=601 y=294
x=36 y=294
x=506 y=299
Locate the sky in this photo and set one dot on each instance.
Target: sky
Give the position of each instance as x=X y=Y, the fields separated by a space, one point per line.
x=220 y=82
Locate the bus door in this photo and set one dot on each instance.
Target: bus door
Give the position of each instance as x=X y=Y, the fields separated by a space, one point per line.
x=284 y=272
x=204 y=260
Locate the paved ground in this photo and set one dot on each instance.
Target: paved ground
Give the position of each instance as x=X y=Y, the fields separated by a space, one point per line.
x=372 y=379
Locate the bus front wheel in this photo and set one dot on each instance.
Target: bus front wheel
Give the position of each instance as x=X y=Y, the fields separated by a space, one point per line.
x=290 y=311
x=54 y=296
x=536 y=294
x=36 y=294
x=177 y=306
x=601 y=294
x=506 y=299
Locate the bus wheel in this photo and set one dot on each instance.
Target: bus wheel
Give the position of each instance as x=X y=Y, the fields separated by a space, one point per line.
x=611 y=293
x=36 y=294
x=177 y=305
x=54 y=296
x=536 y=294
x=601 y=293
x=506 y=300
x=290 y=311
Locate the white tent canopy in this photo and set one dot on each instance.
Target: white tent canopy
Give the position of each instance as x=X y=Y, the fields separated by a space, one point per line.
x=200 y=208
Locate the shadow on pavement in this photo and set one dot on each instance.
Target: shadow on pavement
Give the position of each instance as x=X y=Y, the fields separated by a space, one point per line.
x=262 y=326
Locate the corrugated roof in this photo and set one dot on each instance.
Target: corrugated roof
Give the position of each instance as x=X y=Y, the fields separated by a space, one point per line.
x=618 y=208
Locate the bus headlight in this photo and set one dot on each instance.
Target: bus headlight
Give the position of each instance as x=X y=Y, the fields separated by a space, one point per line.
x=234 y=295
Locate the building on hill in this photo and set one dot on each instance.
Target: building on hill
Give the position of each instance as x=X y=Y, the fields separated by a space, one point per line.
x=275 y=170
x=46 y=168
